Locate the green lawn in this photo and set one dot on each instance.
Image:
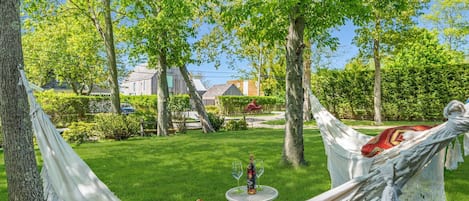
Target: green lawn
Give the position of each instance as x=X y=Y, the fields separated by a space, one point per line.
x=351 y=122
x=194 y=165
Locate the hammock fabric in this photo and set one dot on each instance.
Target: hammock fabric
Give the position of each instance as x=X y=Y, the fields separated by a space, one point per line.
x=410 y=170
x=66 y=177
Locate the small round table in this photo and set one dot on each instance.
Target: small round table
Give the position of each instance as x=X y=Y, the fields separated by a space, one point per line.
x=266 y=194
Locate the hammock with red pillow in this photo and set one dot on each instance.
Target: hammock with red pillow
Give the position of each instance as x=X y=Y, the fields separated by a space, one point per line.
x=410 y=163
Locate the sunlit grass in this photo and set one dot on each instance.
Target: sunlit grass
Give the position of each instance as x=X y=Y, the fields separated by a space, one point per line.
x=195 y=165
x=351 y=122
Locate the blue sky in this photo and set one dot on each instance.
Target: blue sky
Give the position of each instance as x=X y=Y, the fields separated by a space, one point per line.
x=340 y=57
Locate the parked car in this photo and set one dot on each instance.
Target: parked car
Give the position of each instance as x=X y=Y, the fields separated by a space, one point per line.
x=127 y=109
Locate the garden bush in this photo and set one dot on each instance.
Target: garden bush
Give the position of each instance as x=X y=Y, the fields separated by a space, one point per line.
x=235 y=125
x=216 y=121
x=64 y=108
x=117 y=127
x=142 y=103
x=212 y=109
x=80 y=132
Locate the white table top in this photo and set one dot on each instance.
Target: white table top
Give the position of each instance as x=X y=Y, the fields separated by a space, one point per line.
x=266 y=194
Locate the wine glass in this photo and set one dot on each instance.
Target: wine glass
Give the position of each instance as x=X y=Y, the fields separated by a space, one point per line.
x=259 y=172
x=237 y=171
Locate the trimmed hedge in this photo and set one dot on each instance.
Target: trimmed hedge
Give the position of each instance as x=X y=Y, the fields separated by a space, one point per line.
x=412 y=93
x=65 y=108
x=230 y=105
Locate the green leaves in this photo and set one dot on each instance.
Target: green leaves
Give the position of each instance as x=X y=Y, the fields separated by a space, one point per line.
x=63 y=47
x=410 y=93
x=422 y=48
x=157 y=27
x=450 y=18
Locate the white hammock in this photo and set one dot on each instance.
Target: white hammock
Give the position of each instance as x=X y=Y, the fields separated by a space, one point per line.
x=66 y=177
x=417 y=162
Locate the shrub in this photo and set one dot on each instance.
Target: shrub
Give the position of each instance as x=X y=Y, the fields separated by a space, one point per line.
x=142 y=103
x=64 y=108
x=212 y=109
x=117 y=127
x=216 y=121
x=179 y=103
x=80 y=132
x=235 y=125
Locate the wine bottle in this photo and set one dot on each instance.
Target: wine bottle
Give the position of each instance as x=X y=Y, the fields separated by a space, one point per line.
x=251 y=176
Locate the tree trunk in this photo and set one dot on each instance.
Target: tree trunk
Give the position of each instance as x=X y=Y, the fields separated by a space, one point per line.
x=377 y=86
x=163 y=96
x=24 y=181
x=293 y=149
x=111 y=55
x=199 y=106
x=307 y=113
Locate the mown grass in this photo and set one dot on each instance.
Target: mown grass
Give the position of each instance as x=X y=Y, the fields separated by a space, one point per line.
x=351 y=122
x=195 y=165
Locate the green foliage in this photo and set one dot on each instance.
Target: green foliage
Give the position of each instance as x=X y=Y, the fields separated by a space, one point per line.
x=236 y=104
x=64 y=108
x=117 y=127
x=411 y=93
x=450 y=18
x=179 y=103
x=212 y=109
x=81 y=132
x=235 y=125
x=422 y=48
x=148 y=103
x=216 y=121
x=62 y=45
x=142 y=103
x=160 y=30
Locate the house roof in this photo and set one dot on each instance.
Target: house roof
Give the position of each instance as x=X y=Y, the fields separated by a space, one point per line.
x=217 y=90
x=199 y=86
x=140 y=72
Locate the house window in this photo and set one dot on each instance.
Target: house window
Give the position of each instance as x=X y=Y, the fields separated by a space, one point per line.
x=144 y=85
x=135 y=86
x=170 y=81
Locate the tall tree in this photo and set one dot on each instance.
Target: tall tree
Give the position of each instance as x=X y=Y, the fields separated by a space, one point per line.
x=384 y=16
x=451 y=19
x=98 y=12
x=160 y=30
x=199 y=105
x=272 y=22
x=307 y=113
x=293 y=150
x=24 y=182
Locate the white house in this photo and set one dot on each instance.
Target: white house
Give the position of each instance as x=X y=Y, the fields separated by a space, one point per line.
x=143 y=81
